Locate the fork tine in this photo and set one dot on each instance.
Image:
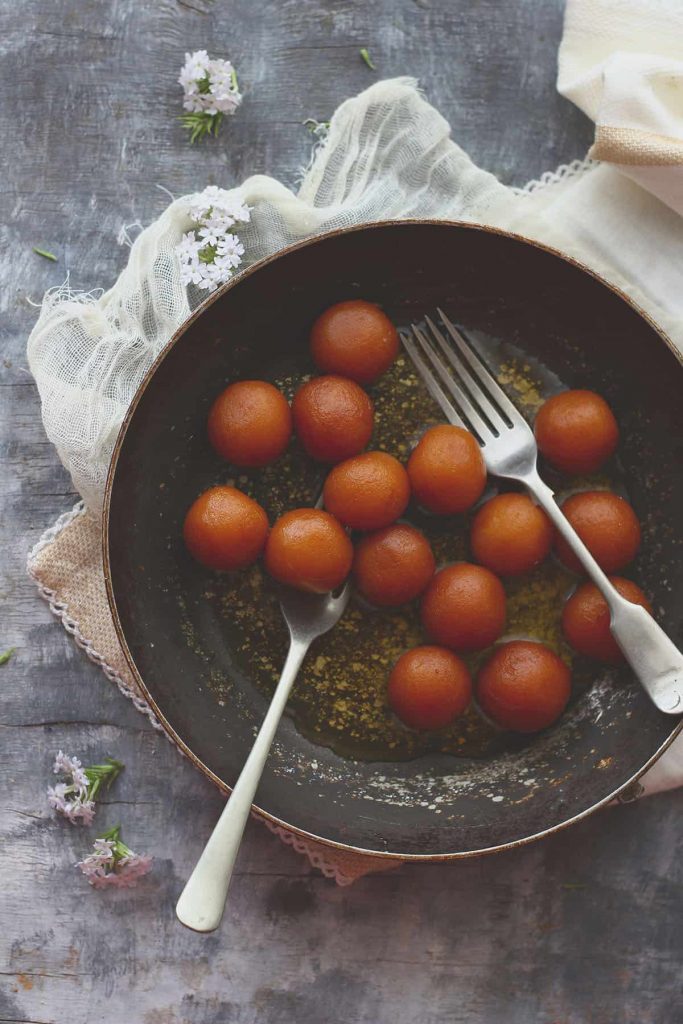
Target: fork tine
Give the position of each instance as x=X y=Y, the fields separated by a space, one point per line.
x=476 y=393
x=485 y=378
x=467 y=409
x=430 y=381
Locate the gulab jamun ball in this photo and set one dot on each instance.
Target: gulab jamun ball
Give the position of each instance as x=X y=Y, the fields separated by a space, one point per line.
x=576 y=431
x=606 y=524
x=333 y=418
x=586 y=619
x=524 y=686
x=307 y=548
x=446 y=470
x=511 y=535
x=393 y=566
x=464 y=607
x=367 y=492
x=354 y=339
x=429 y=687
x=225 y=529
x=250 y=423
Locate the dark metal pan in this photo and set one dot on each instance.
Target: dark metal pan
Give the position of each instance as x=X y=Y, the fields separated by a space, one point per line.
x=189 y=634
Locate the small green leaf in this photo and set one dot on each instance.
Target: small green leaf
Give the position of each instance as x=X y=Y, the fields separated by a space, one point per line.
x=4 y=658
x=367 y=58
x=315 y=127
x=47 y=255
x=201 y=123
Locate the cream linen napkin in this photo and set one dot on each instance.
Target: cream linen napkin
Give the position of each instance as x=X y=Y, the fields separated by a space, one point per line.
x=621 y=62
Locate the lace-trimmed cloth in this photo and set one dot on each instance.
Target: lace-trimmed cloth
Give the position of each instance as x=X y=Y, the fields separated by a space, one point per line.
x=388 y=155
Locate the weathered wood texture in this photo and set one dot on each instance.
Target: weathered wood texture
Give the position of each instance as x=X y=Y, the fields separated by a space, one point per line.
x=582 y=929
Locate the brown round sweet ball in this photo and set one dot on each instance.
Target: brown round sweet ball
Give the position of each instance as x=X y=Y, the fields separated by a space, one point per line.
x=250 y=423
x=354 y=339
x=464 y=607
x=510 y=535
x=225 y=529
x=586 y=619
x=446 y=470
x=606 y=524
x=308 y=549
x=576 y=431
x=333 y=418
x=429 y=687
x=367 y=492
x=393 y=565
x=523 y=686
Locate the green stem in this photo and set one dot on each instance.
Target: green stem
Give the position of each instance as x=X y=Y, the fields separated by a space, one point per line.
x=120 y=849
x=112 y=833
x=102 y=775
x=201 y=123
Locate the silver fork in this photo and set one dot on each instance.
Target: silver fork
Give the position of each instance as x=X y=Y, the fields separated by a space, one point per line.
x=202 y=901
x=470 y=397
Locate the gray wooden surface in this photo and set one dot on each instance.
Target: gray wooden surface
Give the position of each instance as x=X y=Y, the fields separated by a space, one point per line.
x=584 y=928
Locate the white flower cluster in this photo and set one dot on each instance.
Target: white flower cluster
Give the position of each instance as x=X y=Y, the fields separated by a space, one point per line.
x=210 y=253
x=111 y=863
x=71 y=798
x=210 y=85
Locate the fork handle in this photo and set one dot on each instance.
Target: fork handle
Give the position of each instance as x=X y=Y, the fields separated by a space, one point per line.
x=202 y=901
x=654 y=658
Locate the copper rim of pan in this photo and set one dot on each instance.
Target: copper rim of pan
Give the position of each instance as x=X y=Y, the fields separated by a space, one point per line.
x=170 y=732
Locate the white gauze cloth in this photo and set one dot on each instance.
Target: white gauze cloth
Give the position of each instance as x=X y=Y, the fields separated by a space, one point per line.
x=388 y=155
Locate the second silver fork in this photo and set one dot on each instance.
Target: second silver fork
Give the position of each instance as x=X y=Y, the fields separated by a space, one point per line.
x=470 y=397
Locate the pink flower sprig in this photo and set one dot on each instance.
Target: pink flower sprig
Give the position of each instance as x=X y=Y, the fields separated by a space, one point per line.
x=75 y=799
x=112 y=863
